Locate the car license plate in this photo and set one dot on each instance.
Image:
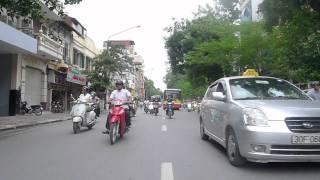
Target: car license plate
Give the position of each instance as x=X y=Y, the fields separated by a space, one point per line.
x=305 y=139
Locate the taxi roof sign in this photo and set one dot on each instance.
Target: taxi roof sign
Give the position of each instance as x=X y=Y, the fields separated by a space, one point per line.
x=250 y=72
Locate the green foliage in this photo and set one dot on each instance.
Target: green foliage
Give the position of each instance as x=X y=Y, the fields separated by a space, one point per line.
x=107 y=65
x=30 y=8
x=280 y=12
x=150 y=89
x=180 y=81
x=296 y=37
x=216 y=47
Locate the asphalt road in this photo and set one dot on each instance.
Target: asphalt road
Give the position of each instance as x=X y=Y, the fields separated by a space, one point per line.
x=156 y=148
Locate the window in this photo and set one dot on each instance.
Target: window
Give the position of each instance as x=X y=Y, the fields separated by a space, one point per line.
x=66 y=53
x=75 y=57
x=210 y=91
x=88 y=64
x=81 y=60
x=264 y=88
x=220 y=88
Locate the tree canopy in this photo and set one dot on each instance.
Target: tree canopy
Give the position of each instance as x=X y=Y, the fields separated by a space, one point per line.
x=150 y=89
x=213 y=44
x=31 y=8
x=107 y=65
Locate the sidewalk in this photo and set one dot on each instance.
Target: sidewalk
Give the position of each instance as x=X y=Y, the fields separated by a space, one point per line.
x=20 y=121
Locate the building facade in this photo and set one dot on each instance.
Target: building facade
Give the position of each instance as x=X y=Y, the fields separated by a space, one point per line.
x=37 y=63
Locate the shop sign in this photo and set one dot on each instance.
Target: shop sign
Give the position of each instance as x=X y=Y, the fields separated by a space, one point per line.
x=75 y=76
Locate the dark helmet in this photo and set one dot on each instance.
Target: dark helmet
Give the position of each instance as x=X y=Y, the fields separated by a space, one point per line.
x=119 y=82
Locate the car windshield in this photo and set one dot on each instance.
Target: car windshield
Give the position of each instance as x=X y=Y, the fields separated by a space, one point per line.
x=264 y=88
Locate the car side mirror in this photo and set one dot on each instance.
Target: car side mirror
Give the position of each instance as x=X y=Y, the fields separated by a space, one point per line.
x=219 y=96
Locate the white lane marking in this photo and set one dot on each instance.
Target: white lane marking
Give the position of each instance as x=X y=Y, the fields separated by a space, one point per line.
x=167 y=171
x=163 y=117
x=163 y=128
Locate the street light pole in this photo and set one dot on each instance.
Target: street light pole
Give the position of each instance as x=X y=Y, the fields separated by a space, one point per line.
x=120 y=32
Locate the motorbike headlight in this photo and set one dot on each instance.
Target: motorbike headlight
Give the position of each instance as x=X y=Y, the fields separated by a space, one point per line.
x=254 y=117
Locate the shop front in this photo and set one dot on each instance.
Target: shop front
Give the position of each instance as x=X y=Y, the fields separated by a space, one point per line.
x=75 y=81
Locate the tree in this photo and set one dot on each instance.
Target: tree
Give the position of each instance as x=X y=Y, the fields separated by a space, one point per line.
x=296 y=37
x=279 y=12
x=108 y=64
x=210 y=46
x=31 y=8
x=151 y=89
x=227 y=10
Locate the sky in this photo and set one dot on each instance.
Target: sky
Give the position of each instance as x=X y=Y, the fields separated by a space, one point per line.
x=103 y=18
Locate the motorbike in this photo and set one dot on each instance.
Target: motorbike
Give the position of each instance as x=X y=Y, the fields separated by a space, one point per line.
x=146 y=108
x=150 y=108
x=195 y=106
x=132 y=107
x=189 y=107
x=155 y=109
x=56 y=107
x=36 y=109
x=169 y=110
x=198 y=108
x=83 y=115
x=117 y=121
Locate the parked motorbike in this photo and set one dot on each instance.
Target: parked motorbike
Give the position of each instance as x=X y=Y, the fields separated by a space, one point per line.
x=169 y=110
x=36 y=109
x=56 y=107
x=83 y=115
x=117 y=121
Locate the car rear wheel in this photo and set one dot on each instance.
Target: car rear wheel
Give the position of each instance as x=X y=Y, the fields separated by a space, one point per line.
x=202 y=133
x=233 y=152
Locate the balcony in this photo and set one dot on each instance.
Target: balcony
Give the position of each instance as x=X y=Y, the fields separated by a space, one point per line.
x=49 y=47
x=15 y=41
x=138 y=60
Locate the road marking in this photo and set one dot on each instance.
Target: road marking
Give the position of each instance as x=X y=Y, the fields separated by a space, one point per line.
x=163 y=128
x=163 y=118
x=166 y=171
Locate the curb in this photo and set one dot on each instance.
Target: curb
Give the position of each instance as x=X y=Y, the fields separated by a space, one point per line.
x=19 y=126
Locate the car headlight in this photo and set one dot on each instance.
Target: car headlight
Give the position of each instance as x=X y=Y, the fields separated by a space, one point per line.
x=254 y=117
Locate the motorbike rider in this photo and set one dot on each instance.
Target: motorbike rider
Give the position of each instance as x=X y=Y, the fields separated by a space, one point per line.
x=96 y=100
x=169 y=100
x=124 y=95
x=85 y=96
x=315 y=92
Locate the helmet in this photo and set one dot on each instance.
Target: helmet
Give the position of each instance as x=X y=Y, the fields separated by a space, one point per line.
x=93 y=93
x=119 y=82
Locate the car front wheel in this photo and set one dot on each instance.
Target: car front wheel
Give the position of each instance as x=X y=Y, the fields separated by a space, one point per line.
x=202 y=133
x=233 y=152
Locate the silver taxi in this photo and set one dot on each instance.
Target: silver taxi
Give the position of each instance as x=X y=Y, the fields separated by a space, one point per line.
x=261 y=119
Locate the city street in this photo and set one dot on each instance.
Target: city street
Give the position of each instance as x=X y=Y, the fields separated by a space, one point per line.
x=156 y=148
